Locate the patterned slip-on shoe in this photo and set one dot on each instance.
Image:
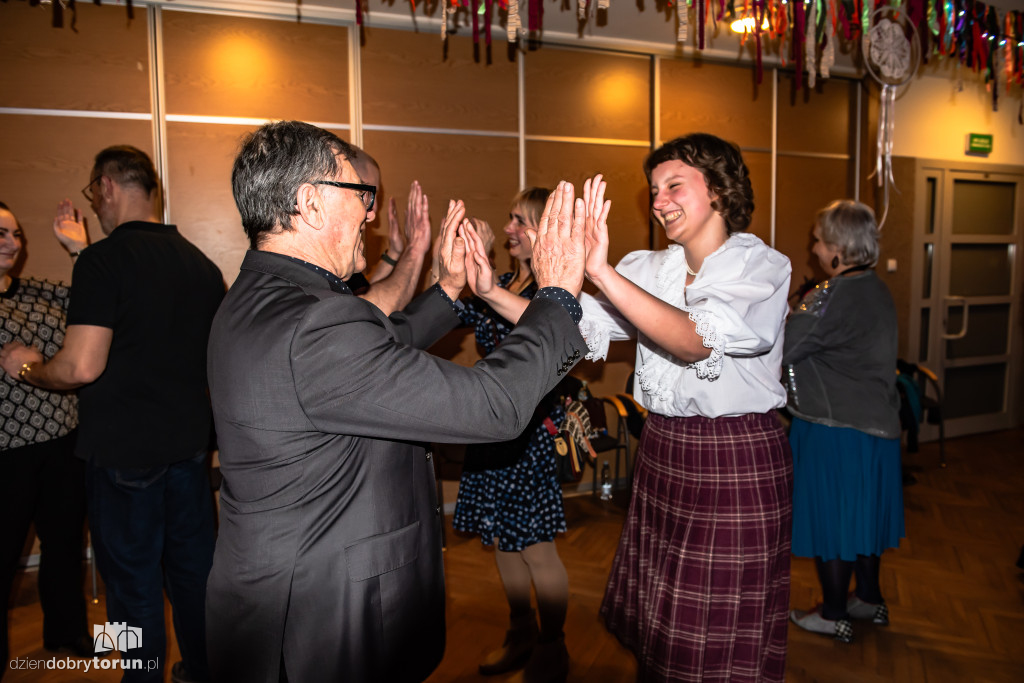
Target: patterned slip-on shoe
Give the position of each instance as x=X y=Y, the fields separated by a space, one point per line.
x=840 y=629
x=858 y=609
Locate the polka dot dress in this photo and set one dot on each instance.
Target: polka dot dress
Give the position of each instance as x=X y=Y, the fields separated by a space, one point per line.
x=510 y=490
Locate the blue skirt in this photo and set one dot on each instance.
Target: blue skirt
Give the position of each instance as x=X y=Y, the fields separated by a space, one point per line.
x=847 y=492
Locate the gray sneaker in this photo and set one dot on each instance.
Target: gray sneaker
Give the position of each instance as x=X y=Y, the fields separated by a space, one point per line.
x=858 y=609
x=840 y=629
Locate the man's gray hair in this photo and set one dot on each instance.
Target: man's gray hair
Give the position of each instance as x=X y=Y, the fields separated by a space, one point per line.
x=272 y=163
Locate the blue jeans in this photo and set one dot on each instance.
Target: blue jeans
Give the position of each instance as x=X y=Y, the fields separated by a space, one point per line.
x=153 y=529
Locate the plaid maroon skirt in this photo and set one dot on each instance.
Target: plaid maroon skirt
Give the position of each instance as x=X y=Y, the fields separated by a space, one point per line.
x=699 y=589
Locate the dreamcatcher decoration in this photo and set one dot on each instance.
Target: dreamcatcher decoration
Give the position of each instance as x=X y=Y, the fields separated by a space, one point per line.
x=891 y=54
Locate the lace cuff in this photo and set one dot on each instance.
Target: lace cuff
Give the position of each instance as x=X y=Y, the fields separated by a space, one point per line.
x=711 y=367
x=597 y=339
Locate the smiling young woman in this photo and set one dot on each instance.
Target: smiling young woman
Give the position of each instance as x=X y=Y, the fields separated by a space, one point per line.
x=699 y=588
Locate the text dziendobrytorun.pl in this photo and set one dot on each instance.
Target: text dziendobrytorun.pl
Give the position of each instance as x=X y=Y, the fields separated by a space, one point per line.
x=85 y=665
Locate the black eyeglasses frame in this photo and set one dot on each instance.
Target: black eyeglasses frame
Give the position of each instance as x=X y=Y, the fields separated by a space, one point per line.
x=87 y=192
x=367 y=192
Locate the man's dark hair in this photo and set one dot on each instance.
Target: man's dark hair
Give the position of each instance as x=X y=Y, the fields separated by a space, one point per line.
x=724 y=171
x=127 y=165
x=272 y=163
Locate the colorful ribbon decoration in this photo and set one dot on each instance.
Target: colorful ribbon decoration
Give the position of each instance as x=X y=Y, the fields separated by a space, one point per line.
x=985 y=39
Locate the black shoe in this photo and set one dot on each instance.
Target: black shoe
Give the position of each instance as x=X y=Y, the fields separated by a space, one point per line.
x=82 y=646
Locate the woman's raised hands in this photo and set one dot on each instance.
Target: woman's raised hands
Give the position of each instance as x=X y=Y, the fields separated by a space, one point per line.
x=479 y=273
x=596 y=222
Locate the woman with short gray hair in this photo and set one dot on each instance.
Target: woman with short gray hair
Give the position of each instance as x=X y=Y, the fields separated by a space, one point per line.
x=840 y=365
x=850 y=227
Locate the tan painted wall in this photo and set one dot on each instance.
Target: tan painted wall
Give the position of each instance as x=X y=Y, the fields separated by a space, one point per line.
x=933 y=118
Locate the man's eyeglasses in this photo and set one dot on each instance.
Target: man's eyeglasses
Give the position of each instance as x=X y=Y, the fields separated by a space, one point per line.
x=87 y=190
x=365 y=192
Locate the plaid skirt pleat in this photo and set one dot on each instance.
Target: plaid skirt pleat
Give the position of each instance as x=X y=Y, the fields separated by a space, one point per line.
x=699 y=588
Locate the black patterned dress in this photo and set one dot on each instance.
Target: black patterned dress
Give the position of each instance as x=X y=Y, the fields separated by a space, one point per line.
x=510 y=490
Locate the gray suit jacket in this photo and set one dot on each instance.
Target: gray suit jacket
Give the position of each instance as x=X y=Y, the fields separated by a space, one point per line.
x=329 y=554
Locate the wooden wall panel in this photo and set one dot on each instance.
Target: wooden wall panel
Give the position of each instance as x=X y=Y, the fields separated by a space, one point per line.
x=481 y=171
x=822 y=121
x=628 y=224
x=230 y=66
x=549 y=162
x=759 y=164
x=417 y=86
x=199 y=161
x=44 y=159
x=571 y=93
x=702 y=97
x=805 y=186
x=897 y=242
x=102 y=67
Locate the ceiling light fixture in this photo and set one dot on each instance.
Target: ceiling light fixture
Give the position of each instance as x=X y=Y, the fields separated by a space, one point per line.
x=746 y=25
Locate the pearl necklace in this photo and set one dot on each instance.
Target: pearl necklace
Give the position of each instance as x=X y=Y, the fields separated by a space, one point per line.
x=689 y=270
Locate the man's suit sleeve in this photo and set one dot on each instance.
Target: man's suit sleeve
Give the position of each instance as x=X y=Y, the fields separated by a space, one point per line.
x=353 y=377
x=424 y=320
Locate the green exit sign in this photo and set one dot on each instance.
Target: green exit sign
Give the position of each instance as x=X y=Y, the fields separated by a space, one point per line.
x=977 y=143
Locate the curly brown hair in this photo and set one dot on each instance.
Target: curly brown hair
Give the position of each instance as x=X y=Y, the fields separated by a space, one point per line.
x=724 y=171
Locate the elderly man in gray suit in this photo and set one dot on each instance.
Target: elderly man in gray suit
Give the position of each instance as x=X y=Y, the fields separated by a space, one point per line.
x=328 y=565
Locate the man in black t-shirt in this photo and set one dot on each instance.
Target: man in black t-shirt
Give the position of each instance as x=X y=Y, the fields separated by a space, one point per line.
x=135 y=348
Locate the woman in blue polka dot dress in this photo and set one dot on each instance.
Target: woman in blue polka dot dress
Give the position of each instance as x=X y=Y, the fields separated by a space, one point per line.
x=510 y=493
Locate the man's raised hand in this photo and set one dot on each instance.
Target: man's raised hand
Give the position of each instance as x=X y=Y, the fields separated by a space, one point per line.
x=559 y=254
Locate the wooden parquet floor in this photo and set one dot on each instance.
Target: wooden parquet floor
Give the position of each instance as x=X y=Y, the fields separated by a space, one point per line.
x=955 y=595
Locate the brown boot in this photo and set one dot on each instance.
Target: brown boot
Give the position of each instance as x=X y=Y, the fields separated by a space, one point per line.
x=549 y=663
x=515 y=651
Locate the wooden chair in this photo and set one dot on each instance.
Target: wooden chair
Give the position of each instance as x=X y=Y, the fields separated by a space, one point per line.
x=624 y=409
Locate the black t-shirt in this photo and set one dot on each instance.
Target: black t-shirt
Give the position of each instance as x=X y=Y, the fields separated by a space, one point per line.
x=158 y=293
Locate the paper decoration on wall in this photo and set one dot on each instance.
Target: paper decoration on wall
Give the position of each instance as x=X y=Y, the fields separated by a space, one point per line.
x=981 y=38
x=891 y=52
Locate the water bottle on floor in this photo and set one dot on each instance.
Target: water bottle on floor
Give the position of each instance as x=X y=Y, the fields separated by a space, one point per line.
x=606 y=482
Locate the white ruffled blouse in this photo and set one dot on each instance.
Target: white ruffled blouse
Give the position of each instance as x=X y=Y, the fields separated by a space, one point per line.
x=738 y=303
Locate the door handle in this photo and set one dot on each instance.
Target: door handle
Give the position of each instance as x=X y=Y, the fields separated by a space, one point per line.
x=963 y=324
